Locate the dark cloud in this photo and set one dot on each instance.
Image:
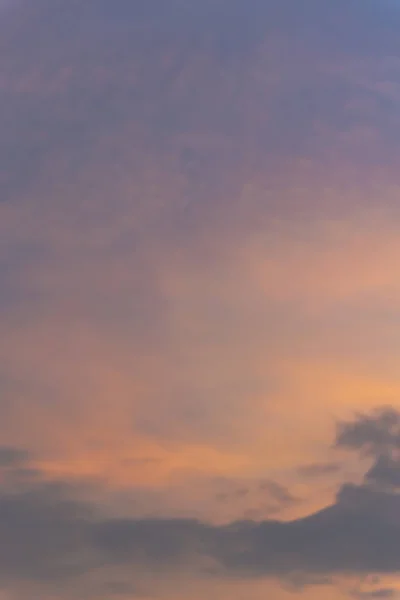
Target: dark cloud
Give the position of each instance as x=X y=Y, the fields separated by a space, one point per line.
x=385 y=470
x=373 y=434
x=359 y=534
x=379 y=593
x=48 y=536
x=376 y=435
x=43 y=535
x=13 y=457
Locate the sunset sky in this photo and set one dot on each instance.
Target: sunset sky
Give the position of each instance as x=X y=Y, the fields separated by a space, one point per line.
x=199 y=299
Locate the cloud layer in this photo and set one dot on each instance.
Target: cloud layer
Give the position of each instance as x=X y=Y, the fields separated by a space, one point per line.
x=199 y=240
x=50 y=536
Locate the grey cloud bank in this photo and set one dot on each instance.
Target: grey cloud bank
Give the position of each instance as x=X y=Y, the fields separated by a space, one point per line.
x=47 y=536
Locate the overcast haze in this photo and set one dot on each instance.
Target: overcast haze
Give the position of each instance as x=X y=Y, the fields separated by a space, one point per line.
x=199 y=299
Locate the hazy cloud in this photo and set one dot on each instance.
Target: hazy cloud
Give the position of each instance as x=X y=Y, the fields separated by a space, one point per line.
x=13 y=457
x=379 y=593
x=199 y=240
x=48 y=535
x=318 y=469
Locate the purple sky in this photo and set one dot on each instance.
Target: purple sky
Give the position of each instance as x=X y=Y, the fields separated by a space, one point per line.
x=199 y=299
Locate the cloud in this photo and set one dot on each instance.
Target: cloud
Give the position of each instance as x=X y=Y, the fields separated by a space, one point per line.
x=385 y=470
x=193 y=258
x=379 y=593
x=51 y=536
x=100 y=74
x=318 y=469
x=48 y=537
x=12 y=457
x=43 y=535
x=373 y=434
x=378 y=435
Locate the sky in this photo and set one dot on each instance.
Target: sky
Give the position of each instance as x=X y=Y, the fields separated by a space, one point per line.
x=199 y=299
